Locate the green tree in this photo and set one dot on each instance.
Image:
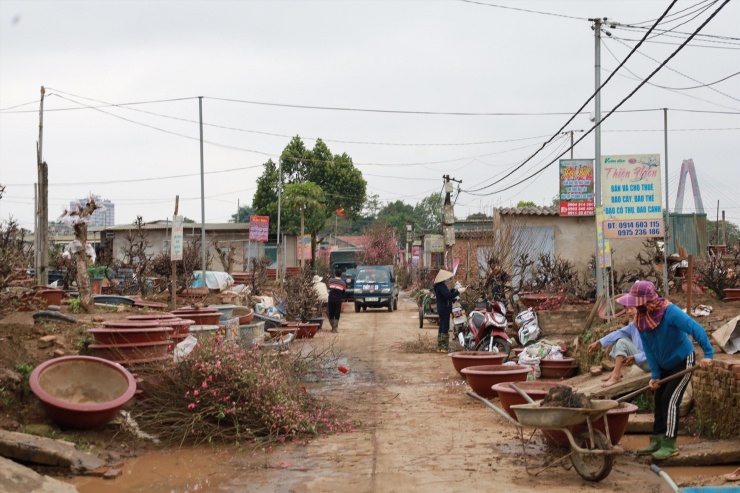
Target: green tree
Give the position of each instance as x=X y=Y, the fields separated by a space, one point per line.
x=397 y=215
x=732 y=233
x=244 y=212
x=306 y=196
x=342 y=185
x=479 y=215
x=429 y=211
x=527 y=203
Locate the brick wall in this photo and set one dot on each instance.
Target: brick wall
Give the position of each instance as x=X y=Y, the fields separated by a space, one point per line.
x=717 y=398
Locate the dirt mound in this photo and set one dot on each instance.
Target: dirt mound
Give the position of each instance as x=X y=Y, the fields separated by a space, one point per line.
x=563 y=396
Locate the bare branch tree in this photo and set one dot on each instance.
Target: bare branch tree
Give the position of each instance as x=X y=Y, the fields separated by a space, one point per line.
x=79 y=219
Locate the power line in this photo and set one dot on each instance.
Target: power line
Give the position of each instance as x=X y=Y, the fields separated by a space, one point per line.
x=525 y=10
x=598 y=90
x=673 y=14
x=678 y=44
x=623 y=100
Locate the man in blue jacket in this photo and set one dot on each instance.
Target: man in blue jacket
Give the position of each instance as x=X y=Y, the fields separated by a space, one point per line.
x=664 y=330
x=444 y=308
x=627 y=349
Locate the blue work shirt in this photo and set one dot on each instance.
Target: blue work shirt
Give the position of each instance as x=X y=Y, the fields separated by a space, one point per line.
x=634 y=335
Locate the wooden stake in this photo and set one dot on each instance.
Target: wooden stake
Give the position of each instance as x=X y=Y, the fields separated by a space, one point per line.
x=690 y=284
x=173 y=296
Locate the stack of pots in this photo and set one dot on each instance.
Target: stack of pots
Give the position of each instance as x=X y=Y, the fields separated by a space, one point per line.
x=139 y=339
x=206 y=319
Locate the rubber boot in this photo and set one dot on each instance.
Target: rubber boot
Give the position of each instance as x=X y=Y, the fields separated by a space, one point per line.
x=334 y=325
x=653 y=446
x=443 y=343
x=667 y=449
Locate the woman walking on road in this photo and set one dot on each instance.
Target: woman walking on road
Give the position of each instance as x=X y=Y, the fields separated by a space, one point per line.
x=444 y=308
x=664 y=330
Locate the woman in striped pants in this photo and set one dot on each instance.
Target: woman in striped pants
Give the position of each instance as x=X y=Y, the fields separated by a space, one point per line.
x=664 y=330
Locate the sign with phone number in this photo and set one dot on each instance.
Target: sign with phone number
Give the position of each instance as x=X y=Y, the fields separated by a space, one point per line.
x=633 y=229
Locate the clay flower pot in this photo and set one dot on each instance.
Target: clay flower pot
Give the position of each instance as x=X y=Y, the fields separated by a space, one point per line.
x=465 y=359
x=201 y=316
x=617 y=420
x=129 y=336
x=152 y=316
x=132 y=352
x=81 y=391
x=482 y=378
x=558 y=368
x=306 y=330
x=282 y=331
x=50 y=296
x=535 y=390
x=245 y=314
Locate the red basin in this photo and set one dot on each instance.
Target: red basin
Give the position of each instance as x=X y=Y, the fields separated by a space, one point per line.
x=50 y=296
x=482 y=378
x=306 y=331
x=130 y=352
x=131 y=336
x=201 y=317
x=152 y=316
x=81 y=391
x=617 y=420
x=465 y=359
x=131 y=324
x=535 y=390
x=558 y=368
x=282 y=331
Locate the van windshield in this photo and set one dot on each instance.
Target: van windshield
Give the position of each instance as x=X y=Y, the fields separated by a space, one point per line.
x=374 y=276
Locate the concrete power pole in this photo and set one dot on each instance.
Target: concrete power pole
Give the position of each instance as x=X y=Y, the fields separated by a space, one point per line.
x=448 y=222
x=42 y=219
x=597 y=141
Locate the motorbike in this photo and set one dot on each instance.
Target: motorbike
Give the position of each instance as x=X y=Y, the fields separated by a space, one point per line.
x=484 y=330
x=529 y=328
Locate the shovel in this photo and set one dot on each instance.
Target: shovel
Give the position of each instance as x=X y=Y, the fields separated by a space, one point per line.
x=660 y=382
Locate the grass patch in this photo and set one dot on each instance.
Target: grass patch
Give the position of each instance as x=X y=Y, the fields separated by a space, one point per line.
x=422 y=344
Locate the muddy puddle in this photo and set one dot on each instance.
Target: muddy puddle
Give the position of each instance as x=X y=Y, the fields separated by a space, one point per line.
x=166 y=471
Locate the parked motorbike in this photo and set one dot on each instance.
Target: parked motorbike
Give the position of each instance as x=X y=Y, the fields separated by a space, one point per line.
x=529 y=328
x=484 y=330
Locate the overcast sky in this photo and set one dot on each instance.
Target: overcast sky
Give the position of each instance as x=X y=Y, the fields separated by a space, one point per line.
x=408 y=56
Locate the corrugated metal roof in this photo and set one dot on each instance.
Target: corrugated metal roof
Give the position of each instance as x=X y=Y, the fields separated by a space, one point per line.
x=186 y=226
x=529 y=211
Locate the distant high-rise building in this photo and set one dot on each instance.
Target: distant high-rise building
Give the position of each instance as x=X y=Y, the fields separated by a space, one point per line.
x=101 y=217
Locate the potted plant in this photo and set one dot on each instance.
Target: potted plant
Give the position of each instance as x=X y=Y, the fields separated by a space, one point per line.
x=302 y=303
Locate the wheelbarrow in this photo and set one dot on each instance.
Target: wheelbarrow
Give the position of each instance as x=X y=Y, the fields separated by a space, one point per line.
x=427 y=310
x=591 y=451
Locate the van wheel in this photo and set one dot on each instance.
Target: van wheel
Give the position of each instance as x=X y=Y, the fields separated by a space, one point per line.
x=357 y=307
x=390 y=305
x=395 y=303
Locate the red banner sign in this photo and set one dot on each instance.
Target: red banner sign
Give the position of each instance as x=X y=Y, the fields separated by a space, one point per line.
x=259 y=227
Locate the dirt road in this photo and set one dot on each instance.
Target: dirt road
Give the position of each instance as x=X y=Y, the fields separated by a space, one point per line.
x=419 y=432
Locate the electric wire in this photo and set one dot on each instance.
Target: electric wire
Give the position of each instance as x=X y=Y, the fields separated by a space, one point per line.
x=601 y=86
x=619 y=104
x=677 y=44
x=673 y=14
x=524 y=10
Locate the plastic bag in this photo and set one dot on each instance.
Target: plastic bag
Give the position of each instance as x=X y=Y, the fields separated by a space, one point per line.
x=531 y=361
x=184 y=348
x=555 y=353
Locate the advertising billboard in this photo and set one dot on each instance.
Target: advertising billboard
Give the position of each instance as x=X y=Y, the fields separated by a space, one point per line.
x=632 y=196
x=576 y=187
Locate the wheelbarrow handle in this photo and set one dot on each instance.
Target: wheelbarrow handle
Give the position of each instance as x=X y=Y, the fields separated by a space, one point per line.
x=495 y=408
x=666 y=379
x=521 y=392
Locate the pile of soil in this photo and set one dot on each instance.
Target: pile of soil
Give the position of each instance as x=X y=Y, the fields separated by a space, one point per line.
x=562 y=396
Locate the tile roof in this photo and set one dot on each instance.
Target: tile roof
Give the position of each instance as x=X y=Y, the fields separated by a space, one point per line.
x=545 y=210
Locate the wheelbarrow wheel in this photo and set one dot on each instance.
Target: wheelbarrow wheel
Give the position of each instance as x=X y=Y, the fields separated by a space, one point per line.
x=592 y=467
x=421 y=317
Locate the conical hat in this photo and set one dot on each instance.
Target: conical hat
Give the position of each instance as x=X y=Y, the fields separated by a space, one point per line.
x=442 y=276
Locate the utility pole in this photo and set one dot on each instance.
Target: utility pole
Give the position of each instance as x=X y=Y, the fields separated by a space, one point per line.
x=666 y=213
x=173 y=287
x=202 y=195
x=280 y=197
x=597 y=139
x=448 y=222
x=42 y=220
x=571 y=139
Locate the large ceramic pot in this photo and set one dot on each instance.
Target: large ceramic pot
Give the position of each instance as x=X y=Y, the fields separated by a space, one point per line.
x=225 y=310
x=617 y=420
x=82 y=391
x=482 y=378
x=558 y=368
x=202 y=316
x=129 y=336
x=245 y=314
x=465 y=359
x=306 y=331
x=535 y=390
x=50 y=296
x=132 y=353
x=151 y=316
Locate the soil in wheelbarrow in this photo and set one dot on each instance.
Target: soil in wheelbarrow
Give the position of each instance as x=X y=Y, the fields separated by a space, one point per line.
x=563 y=396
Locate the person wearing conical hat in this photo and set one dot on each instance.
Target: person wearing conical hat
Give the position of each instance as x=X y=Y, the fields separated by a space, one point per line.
x=444 y=308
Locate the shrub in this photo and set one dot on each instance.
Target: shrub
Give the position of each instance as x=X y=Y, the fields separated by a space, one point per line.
x=225 y=393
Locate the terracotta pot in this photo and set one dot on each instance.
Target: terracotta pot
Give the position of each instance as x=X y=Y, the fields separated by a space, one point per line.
x=282 y=331
x=201 y=318
x=130 y=336
x=130 y=352
x=128 y=323
x=154 y=305
x=482 y=378
x=617 y=420
x=81 y=391
x=180 y=325
x=465 y=359
x=50 y=296
x=152 y=316
x=558 y=368
x=535 y=390
x=245 y=314
x=306 y=331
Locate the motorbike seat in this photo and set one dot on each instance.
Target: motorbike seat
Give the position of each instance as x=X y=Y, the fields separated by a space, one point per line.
x=477 y=319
